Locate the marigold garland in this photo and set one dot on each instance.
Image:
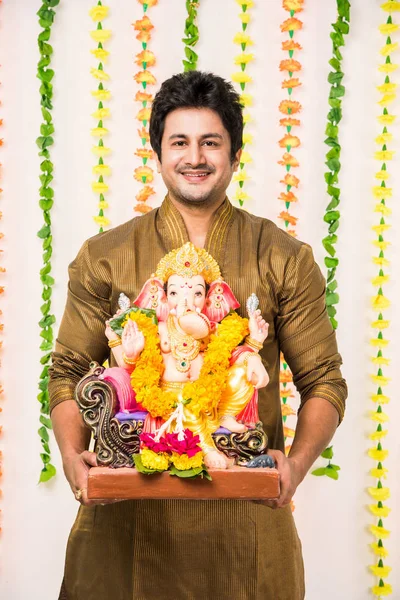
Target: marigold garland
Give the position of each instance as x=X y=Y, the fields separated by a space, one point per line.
x=289 y=107
x=102 y=170
x=243 y=78
x=46 y=16
x=380 y=493
x=144 y=174
x=191 y=36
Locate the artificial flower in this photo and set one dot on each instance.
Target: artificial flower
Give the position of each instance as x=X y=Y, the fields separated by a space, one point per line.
x=101 y=150
x=388 y=67
x=380 y=324
x=149 y=3
x=382 y=590
x=380 y=302
x=379 y=473
x=241 y=77
x=287 y=197
x=245 y=157
x=388 y=49
x=98 y=13
x=379 y=550
x=381 y=572
x=385 y=210
x=152 y=460
x=291 y=24
x=246 y=118
x=387 y=99
x=101 y=113
x=380 y=361
x=144 y=174
x=290 y=107
x=289 y=140
x=99 y=187
x=144 y=37
x=289 y=64
x=143 y=97
x=246 y=99
x=285 y=216
x=103 y=205
x=101 y=170
x=99 y=131
x=145 y=77
x=384 y=138
x=384 y=175
x=243 y=38
x=144 y=153
x=142 y=208
x=293 y=5
x=380 y=398
x=291 y=83
x=288 y=45
x=247 y=3
x=143 y=24
x=382 y=192
x=100 y=35
x=378 y=435
x=379 y=511
x=100 y=54
x=241 y=176
x=387 y=88
x=243 y=58
x=144 y=193
x=101 y=221
x=288 y=160
x=378 y=455
x=99 y=74
x=287 y=410
x=146 y=56
x=380 y=494
x=245 y=17
x=144 y=114
x=144 y=134
x=241 y=196
x=390 y=6
x=101 y=94
x=285 y=376
x=382 y=245
x=288 y=432
x=291 y=180
x=384 y=155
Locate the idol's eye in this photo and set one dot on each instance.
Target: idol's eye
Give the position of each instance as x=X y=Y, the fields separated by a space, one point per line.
x=199 y=294
x=172 y=293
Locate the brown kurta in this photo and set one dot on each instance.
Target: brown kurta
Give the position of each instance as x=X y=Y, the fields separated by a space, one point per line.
x=181 y=550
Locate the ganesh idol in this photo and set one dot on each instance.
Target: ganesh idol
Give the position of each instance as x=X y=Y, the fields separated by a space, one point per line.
x=191 y=361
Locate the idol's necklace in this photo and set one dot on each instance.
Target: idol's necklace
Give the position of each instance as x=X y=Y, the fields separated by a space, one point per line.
x=184 y=348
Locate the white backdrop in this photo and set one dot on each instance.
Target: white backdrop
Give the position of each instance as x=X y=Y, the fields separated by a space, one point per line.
x=332 y=517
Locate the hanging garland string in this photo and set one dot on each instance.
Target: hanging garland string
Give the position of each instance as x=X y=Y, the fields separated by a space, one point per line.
x=243 y=79
x=102 y=95
x=332 y=214
x=2 y=270
x=46 y=16
x=379 y=492
x=288 y=108
x=145 y=59
x=191 y=36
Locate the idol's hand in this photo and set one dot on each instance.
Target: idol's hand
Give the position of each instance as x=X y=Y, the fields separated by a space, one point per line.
x=110 y=333
x=258 y=327
x=132 y=340
x=256 y=372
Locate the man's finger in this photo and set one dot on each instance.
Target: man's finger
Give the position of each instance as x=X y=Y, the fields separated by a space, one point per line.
x=90 y=458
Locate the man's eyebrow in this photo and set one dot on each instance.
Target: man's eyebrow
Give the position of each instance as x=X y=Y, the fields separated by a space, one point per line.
x=183 y=136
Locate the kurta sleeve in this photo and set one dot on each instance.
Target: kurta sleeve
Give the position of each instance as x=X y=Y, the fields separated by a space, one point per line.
x=81 y=337
x=306 y=336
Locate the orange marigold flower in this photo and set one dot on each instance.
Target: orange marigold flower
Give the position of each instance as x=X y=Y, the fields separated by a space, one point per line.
x=144 y=37
x=144 y=173
x=289 y=122
x=144 y=153
x=288 y=432
x=143 y=97
x=292 y=232
x=291 y=24
x=146 y=56
x=289 y=140
x=143 y=208
x=288 y=159
x=1 y=121
x=289 y=64
x=285 y=216
x=144 y=114
x=295 y=5
x=143 y=24
x=290 y=179
x=1 y=142
x=285 y=376
x=290 y=105
x=144 y=134
x=145 y=193
x=291 y=83
x=291 y=45
x=288 y=197
x=145 y=77
x=149 y=2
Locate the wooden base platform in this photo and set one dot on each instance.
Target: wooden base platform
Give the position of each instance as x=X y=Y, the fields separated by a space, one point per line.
x=235 y=483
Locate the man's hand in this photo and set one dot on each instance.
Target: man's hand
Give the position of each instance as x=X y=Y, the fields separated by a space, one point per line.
x=290 y=477
x=76 y=470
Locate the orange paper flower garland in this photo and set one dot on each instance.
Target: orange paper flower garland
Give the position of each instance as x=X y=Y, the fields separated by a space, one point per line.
x=100 y=35
x=288 y=108
x=379 y=492
x=243 y=78
x=145 y=59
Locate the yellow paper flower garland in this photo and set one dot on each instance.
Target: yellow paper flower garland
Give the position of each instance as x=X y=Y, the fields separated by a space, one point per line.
x=243 y=78
x=102 y=170
x=379 y=492
x=288 y=108
x=144 y=174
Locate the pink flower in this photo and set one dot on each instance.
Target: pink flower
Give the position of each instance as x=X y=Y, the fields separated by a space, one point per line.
x=148 y=440
x=189 y=445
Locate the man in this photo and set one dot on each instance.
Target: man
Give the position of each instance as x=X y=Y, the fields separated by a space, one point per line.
x=181 y=550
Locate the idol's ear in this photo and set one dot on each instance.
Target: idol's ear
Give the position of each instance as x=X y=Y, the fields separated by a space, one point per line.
x=220 y=301
x=153 y=296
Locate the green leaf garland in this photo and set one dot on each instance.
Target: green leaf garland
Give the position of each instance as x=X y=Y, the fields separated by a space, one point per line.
x=191 y=36
x=46 y=16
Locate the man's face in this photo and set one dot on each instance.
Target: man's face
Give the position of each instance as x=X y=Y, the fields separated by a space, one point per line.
x=196 y=157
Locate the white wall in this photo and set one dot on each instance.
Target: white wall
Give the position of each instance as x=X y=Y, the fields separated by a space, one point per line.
x=332 y=517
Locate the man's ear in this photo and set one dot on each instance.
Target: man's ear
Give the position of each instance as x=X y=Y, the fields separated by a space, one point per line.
x=236 y=161
x=158 y=163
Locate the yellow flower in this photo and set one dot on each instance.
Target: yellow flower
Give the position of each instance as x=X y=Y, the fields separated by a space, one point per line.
x=101 y=150
x=152 y=460
x=384 y=155
x=247 y=138
x=387 y=99
x=381 y=572
x=242 y=38
x=241 y=195
x=379 y=260
x=248 y=3
x=390 y=6
x=386 y=588
x=380 y=279
x=100 y=54
x=98 y=13
x=388 y=67
x=382 y=192
x=243 y=58
x=379 y=550
x=380 y=494
x=101 y=113
x=100 y=188
x=380 y=398
x=380 y=324
x=388 y=28
x=99 y=131
x=99 y=74
x=380 y=379
x=101 y=95
x=379 y=473
x=245 y=157
x=380 y=302
x=386 y=88
x=103 y=205
x=102 y=170
x=382 y=511
x=244 y=17
x=101 y=221
x=246 y=99
x=100 y=35
x=386 y=119
x=241 y=176
x=382 y=246
x=382 y=175
x=378 y=435
x=247 y=118
x=379 y=417
x=241 y=77
x=384 y=138
x=144 y=173
x=379 y=532
x=149 y=2
x=183 y=463
x=388 y=49
x=385 y=210
x=378 y=455
x=379 y=360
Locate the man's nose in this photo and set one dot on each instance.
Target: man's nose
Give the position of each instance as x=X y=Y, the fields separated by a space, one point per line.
x=194 y=155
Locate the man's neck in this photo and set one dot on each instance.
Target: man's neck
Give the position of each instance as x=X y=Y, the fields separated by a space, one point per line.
x=197 y=220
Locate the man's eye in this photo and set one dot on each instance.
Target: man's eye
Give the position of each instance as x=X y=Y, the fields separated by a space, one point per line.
x=179 y=143
x=210 y=143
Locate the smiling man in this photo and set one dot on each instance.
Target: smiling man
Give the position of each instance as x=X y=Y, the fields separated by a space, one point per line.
x=194 y=550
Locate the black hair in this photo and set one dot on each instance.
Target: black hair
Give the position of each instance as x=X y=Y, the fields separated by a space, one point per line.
x=195 y=89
